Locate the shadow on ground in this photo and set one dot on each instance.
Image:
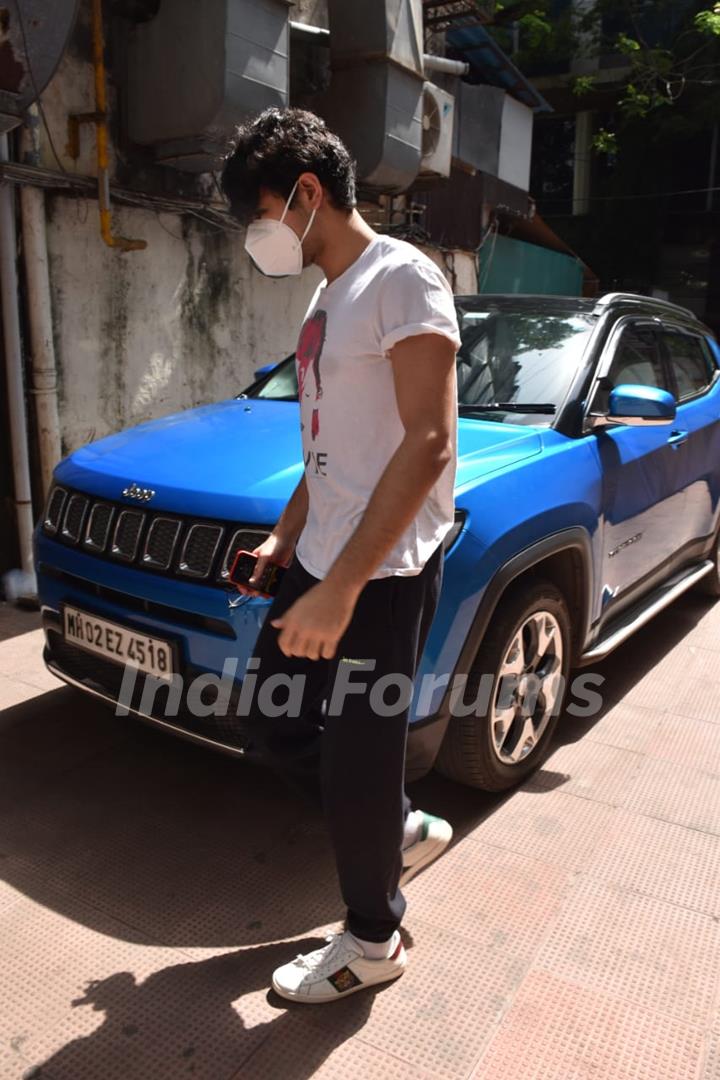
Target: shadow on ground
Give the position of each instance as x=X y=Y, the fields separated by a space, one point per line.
x=15 y=620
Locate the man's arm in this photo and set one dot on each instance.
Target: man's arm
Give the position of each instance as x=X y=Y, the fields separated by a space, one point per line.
x=424 y=377
x=292 y=520
x=280 y=544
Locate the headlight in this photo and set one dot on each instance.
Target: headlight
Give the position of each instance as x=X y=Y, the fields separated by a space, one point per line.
x=455 y=531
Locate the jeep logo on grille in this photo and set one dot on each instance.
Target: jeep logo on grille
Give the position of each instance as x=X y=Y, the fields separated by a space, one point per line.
x=135 y=492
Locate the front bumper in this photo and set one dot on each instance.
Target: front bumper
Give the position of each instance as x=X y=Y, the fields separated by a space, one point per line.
x=222 y=730
x=208 y=635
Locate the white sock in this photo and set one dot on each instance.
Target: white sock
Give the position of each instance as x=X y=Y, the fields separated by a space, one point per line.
x=378 y=950
x=413 y=824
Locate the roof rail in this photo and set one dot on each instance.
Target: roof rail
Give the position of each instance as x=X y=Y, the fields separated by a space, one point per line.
x=610 y=299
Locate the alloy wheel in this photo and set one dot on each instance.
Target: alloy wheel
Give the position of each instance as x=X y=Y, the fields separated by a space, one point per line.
x=527 y=687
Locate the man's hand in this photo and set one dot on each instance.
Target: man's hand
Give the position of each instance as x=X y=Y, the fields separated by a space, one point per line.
x=280 y=544
x=275 y=549
x=314 y=624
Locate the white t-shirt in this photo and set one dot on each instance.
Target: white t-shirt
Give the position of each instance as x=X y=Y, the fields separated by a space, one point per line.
x=349 y=417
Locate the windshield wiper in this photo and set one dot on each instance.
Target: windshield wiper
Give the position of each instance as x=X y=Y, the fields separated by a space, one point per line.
x=545 y=407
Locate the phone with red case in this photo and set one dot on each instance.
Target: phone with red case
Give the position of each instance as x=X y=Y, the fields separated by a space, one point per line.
x=242 y=570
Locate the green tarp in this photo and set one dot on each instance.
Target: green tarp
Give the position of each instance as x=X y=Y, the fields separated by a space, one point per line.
x=513 y=266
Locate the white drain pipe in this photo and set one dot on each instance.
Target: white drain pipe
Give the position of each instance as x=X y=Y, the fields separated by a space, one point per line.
x=447 y=67
x=37 y=278
x=14 y=364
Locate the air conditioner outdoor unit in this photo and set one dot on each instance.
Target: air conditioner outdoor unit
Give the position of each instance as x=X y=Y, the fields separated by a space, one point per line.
x=437 y=131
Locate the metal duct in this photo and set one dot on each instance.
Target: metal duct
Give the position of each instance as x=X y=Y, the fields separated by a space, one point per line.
x=388 y=30
x=375 y=98
x=197 y=70
x=33 y=37
x=493 y=133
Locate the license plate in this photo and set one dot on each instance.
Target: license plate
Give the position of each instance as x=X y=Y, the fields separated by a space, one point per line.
x=116 y=642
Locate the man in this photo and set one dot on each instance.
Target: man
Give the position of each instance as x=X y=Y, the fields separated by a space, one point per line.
x=362 y=533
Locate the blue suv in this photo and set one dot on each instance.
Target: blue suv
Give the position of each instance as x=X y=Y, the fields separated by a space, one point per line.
x=587 y=500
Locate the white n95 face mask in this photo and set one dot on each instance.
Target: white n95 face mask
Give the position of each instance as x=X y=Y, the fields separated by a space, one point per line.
x=274 y=247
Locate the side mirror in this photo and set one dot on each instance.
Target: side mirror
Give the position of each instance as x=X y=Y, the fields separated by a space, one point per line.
x=641 y=405
x=264 y=370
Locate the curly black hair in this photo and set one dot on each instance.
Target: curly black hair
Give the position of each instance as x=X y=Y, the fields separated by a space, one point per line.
x=272 y=151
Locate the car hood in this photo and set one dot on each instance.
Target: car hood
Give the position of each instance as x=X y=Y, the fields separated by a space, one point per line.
x=484 y=446
x=242 y=458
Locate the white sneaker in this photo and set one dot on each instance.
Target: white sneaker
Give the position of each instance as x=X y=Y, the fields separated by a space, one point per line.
x=435 y=835
x=335 y=970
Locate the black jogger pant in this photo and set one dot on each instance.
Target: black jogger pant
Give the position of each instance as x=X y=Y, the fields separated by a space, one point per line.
x=347 y=756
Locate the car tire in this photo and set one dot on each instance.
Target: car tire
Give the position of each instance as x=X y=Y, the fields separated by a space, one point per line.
x=710 y=584
x=478 y=749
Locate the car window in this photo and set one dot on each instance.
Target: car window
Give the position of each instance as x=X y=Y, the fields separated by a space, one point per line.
x=637 y=360
x=281 y=384
x=690 y=361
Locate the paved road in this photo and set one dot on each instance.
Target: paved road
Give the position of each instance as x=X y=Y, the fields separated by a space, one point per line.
x=572 y=932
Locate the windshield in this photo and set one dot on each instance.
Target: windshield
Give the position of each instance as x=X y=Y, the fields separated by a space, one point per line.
x=280 y=384
x=512 y=366
x=516 y=359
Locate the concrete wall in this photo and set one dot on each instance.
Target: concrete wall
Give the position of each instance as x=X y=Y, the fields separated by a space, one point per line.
x=459 y=267
x=146 y=333
x=313 y=12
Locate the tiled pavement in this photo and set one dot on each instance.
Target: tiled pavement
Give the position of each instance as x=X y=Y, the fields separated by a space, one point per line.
x=572 y=932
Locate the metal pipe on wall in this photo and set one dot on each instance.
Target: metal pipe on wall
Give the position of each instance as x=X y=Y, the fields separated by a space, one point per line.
x=447 y=67
x=317 y=34
x=39 y=309
x=100 y=119
x=14 y=365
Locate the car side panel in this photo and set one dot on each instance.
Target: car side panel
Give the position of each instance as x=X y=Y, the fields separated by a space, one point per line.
x=698 y=460
x=643 y=501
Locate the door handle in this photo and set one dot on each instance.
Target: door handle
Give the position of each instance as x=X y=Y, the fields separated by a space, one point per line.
x=677 y=437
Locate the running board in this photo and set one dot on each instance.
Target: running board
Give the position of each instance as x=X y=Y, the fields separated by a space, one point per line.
x=675 y=587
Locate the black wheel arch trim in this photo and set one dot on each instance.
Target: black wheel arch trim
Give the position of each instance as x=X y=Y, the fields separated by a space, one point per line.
x=426 y=735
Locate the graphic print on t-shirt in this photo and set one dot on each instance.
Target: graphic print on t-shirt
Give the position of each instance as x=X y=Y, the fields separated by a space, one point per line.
x=309 y=351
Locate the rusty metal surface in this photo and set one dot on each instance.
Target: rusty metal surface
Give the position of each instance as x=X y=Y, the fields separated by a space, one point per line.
x=457 y=211
x=442 y=14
